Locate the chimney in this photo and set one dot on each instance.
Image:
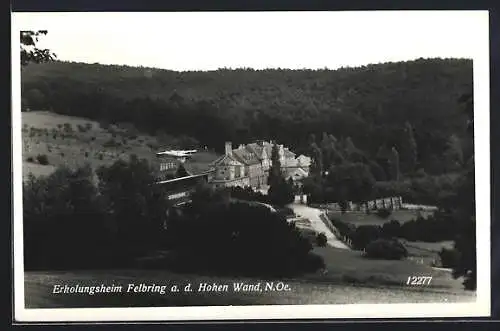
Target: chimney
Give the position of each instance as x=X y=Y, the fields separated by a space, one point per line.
x=229 y=148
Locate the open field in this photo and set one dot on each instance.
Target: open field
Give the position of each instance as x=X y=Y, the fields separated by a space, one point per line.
x=37 y=169
x=361 y=218
x=350 y=279
x=73 y=141
x=350 y=266
x=424 y=252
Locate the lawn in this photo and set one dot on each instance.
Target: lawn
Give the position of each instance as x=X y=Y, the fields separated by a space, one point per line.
x=37 y=169
x=425 y=252
x=361 y=218
x=73 y=141
x=39 y=291
x=351 y=267
x=349 y=278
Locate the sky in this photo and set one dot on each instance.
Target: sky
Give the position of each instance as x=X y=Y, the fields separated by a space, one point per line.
x=295 y=40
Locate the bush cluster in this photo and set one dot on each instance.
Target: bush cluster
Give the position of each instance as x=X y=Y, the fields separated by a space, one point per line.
x=435 y=228
x=70 y=221
x=389 y=249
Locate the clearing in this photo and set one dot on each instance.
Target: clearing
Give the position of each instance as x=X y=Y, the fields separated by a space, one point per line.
x=361 y=218
x=73 y=141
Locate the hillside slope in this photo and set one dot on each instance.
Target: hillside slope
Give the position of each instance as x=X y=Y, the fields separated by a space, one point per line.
x=369 y=104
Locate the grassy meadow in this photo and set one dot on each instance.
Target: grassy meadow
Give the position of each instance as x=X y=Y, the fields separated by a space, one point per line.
x=425 y=252
x=349 y=278
x=74 y=141
x=361 y=218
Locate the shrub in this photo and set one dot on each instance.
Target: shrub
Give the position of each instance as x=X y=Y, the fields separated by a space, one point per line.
x=68 y=128
x=383 y=213
x=86 y=154
x=42 y=159
x=286 y=212
x=344 y=228
x=321 y=239
x=100 y=157
x=111 y=143
x=104 y=125
x=62 y=154
x=364 y=235
x=92 y=138
x=81 y=128
x=391 y=229
x=30 y=159
x=390 y=249
x=448 y=257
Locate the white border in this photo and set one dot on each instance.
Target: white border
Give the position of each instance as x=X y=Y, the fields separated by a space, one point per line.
x=480 y=308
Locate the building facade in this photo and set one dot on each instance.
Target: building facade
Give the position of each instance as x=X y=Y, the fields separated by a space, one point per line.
x=247 y=165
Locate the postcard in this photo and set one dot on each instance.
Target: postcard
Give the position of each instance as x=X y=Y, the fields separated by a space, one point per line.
x=208 y=166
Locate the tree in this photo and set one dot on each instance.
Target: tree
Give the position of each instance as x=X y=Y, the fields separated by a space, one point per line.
x=136 y=205
x=408 y=149
x=352 y=152
x=390 y=249
x=316 y=167
x=29 y=50
x=321 y=239
x=383 y=157
x=350 y=182
x=454 y=155
x=327 y=151
x=377 y=171
x=465 y=213
x=64 y=223
x=394 y=164
x=311 y=139
x=280 y=191
x=275 y=171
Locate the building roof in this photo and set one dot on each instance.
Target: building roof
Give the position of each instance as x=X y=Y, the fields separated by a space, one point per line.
x=225 y=159
x=201 y=162
x=296 y=173
x=289 y=153
x=246 y=157
x=204 y=157
x=269 y=148
x=255 y=148
x=195 y=168
x=304 y=160
x=177 y=153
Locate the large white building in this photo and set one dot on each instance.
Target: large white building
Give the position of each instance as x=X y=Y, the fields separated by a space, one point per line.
x=247 y=165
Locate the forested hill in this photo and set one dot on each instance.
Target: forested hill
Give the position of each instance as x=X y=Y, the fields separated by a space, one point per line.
x=370 y=104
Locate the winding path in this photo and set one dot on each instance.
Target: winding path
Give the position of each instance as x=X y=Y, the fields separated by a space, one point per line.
x=312 y=214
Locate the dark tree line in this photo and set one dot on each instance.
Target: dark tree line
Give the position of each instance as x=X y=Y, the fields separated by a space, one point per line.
x=81 y=218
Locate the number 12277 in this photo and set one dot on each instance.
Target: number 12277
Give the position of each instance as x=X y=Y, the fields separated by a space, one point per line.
x=418 y=280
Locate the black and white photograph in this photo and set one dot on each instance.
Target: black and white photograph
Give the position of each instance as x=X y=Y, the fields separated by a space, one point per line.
x=174 y=166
